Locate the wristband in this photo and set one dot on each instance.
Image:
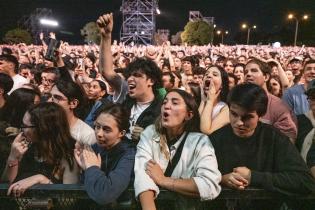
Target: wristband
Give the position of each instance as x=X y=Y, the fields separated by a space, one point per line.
x=12 y=163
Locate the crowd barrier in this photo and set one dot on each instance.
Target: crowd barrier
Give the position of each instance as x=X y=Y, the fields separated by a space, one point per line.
x=64 y=197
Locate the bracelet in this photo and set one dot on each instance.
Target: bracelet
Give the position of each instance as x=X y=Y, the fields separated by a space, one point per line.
x=12 y=163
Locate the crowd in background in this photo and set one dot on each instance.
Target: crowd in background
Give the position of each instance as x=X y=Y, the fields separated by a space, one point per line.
x=157 y=116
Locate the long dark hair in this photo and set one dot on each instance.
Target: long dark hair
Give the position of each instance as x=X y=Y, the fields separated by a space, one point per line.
x=191 y=125
x=52 y=129
x=225 y=83
x=18 y=103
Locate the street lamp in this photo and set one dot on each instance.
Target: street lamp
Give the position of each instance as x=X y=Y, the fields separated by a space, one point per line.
x=219 y=32
x=244 y=26
x=291 y=16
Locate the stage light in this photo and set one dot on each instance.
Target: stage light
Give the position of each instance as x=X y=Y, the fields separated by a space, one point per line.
x=48 y=22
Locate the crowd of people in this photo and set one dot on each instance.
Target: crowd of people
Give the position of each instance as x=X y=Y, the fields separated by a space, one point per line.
x=189 y=119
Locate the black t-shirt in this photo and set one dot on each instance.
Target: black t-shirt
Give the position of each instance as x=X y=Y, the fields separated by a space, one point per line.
x=3 y=112
x=274 y=161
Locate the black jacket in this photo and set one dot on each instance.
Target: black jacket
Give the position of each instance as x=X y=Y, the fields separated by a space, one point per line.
x=149 y=115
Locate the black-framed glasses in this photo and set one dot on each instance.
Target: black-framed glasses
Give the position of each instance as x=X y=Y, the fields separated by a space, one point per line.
x=26 y=126
x=49 y=81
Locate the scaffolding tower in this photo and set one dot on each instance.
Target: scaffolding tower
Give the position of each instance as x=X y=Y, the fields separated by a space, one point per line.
x=138 y=21
x=32 y=25
x=197 y=16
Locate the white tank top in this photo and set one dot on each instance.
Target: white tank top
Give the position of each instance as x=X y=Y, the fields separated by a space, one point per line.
x=217 y=108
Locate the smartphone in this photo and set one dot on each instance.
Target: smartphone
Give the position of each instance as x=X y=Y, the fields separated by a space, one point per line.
x=81 y=64
x=53 y=45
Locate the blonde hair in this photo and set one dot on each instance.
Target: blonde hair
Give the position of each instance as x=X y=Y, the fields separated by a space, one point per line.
x=161 y=132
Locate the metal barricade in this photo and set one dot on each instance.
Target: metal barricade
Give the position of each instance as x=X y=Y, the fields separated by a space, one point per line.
x=74 y=197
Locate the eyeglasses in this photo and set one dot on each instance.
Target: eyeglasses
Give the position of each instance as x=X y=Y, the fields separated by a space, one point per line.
x=49 y=81
x=23 y=126
x=57 y=98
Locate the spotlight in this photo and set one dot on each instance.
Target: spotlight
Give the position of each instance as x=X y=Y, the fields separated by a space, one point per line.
x=48 y=22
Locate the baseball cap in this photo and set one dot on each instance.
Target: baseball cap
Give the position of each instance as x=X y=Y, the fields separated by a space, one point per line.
x=296 y=58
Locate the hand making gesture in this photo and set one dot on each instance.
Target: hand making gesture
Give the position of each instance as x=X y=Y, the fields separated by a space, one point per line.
x=105 y=24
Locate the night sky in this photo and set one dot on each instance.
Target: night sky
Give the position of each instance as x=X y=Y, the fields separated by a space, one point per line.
x=72 y=15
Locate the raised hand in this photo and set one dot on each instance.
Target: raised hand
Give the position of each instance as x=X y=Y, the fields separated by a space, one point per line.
x=18 y=147
x=52 y=35
x=41 y=36
x=211 y=94
x=105 y=24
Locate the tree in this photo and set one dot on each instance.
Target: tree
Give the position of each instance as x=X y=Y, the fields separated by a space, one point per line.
x=91 y=33
x=176 y=39
x=16 y=36
x=197 y=33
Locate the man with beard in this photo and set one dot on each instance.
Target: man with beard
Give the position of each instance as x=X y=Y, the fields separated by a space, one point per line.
x=139 y=93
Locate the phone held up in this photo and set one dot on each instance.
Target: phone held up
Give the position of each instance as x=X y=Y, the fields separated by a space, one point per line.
x=52 y=47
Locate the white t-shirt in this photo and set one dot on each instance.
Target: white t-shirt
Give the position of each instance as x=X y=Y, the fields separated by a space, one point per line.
x=19 y=81
x=83 y=133
x=135 y=112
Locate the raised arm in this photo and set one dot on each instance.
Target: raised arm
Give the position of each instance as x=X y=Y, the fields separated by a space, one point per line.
x=41 y=37
x=282 y=75
x=207 y=124
x=18 y=149
x=105 y=25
